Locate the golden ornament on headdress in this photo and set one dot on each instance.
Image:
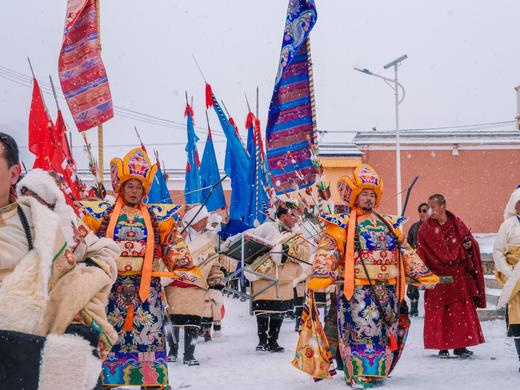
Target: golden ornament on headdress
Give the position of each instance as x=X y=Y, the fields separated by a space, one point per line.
x=364 y=177
x=135 y=165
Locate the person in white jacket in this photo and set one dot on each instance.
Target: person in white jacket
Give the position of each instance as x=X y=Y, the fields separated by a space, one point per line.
x=506 y=254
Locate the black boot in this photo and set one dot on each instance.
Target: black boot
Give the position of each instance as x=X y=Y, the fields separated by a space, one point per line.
x=463 y=353
x=297 y=323
x=190 y=339
x=275 y=323
x=517 y=345
x=262 y=323
x=444 y=354
x=172 y=335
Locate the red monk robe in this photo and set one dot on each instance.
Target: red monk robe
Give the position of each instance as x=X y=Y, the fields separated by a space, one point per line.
x=450 y=319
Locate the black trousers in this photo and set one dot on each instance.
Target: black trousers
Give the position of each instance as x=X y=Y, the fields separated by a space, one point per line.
x=191 y=334
x=269 y=326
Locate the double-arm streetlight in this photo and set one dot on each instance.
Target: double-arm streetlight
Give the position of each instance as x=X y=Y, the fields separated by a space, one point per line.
x=395 y=85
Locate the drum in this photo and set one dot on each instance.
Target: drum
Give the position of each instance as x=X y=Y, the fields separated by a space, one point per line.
x=262 y=265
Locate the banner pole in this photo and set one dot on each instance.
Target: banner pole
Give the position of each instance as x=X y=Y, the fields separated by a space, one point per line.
x=101 y=165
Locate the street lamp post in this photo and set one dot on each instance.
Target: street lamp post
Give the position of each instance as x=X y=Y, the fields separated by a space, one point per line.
x=394 y=83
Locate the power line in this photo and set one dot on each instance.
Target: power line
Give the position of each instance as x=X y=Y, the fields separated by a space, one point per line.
x=26 y=81
x=133 y=145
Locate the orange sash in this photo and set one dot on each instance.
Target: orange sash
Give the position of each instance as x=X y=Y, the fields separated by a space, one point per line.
x=146 y=273
x=348 y=286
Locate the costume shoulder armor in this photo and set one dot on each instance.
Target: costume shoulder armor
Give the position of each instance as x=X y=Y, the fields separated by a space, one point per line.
x=95 y=208
x=163 y=212
x=396 y=221
x=340 y=220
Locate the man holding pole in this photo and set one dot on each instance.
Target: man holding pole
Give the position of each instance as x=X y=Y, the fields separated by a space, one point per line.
x=364 y=252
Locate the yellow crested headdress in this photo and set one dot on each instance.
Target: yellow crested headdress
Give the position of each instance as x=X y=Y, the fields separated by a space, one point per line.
x=135 y=165
x=365 y=177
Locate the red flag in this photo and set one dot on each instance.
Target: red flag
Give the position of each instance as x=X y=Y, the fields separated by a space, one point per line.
x=60 y=155
x=62 y=160
x=82 y=74
x=40 y=130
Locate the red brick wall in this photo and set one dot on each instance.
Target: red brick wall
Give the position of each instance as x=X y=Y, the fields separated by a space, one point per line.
x=476 y=183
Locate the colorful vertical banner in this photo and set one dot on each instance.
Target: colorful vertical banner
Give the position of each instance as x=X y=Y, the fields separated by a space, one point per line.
x=82 y=74
x=291 y=120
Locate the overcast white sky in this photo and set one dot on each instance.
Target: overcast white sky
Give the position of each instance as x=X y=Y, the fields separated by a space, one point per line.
x=462 y=67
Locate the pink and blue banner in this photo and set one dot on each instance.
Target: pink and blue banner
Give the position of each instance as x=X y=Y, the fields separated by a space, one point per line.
x=291 y=123
x=82 y=74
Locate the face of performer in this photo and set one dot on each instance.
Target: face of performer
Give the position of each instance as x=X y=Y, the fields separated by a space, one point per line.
x=366 y=200
x=9 y=174
x=201 y=225
x=437 y=210
x=288 y=219
x=132 y=192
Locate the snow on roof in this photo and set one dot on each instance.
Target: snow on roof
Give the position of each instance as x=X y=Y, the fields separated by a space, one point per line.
x=440 y=137
x=337 y=144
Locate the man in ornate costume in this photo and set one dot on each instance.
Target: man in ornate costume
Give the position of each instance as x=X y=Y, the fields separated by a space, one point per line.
x=448 y=248
x=270 y=304
x=364 y=252
x=55 y=277
x=151 y=248
x=506 y=254
x=186 y=298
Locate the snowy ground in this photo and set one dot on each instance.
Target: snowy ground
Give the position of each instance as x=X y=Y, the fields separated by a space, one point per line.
x=232 y=363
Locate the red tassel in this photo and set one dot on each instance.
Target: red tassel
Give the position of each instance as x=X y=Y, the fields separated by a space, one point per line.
x=129 y=320
x=393 y=343
x=249 y=120
x=209 y=96
x=232 y=121
x=188 y=111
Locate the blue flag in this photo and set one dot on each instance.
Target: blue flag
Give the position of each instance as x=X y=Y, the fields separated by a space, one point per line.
x=258 y=195
x=237 y=162
x=209 y=175
x=159 y=191
x=192 y=183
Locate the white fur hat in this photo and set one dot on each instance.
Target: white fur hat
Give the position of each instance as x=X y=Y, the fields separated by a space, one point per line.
x=41 y=183
x=190 y=214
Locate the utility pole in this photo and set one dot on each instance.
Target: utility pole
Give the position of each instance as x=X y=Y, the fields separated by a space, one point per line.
x=394 y=83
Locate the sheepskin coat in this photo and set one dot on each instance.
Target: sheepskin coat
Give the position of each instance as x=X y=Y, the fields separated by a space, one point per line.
x=45 y=290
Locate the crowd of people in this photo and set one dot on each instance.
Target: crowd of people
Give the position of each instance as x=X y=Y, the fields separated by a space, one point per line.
x=96 y=296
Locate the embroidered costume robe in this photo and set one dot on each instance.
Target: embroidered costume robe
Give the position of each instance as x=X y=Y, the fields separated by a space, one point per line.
x=371 y=338
x=139 y=356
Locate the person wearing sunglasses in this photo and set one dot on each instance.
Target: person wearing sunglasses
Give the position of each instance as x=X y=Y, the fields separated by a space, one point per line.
x=412 y=292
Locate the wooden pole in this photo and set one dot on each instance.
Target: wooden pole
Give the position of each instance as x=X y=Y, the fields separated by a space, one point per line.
x=101 y=162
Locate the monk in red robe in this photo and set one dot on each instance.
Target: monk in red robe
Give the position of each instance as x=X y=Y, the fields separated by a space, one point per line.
x=447 y=247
